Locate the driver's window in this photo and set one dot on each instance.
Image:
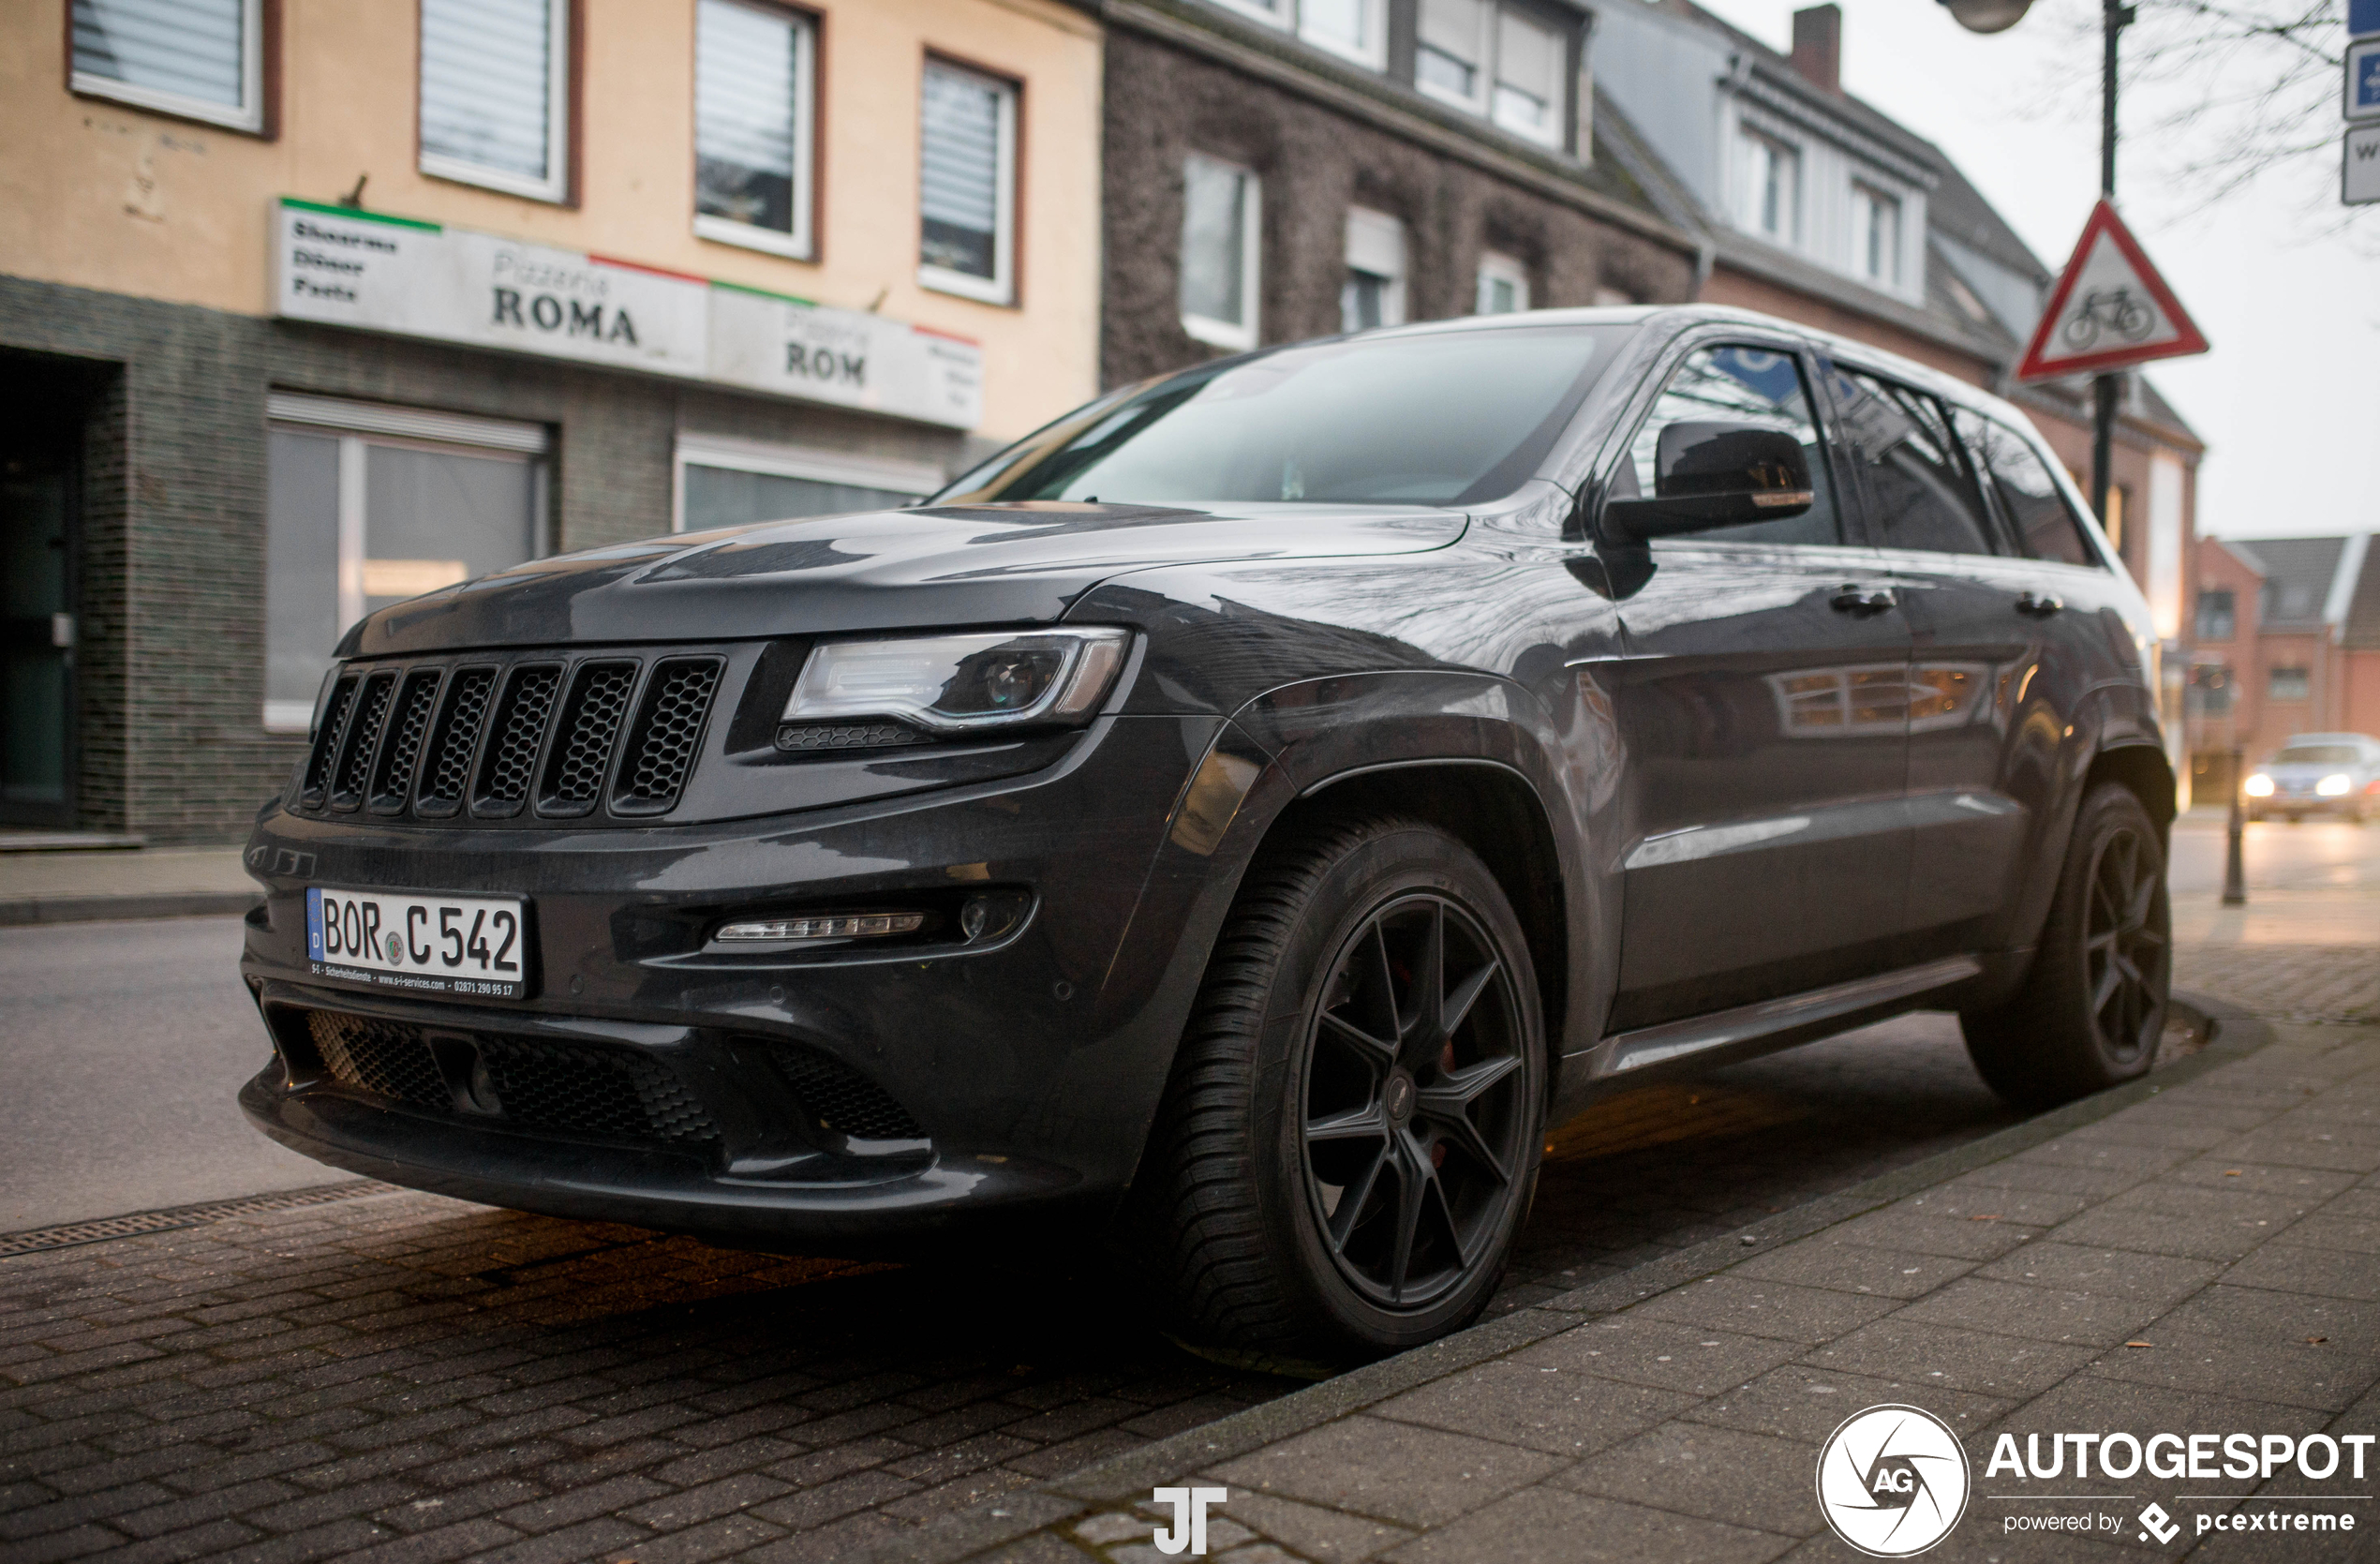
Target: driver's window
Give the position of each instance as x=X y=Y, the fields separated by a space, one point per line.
x=1739 y=385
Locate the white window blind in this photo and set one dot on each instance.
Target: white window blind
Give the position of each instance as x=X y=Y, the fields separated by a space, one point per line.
x=753 y=74
x=1451 y=58
x=199 y=58
x=493 y=94
x=966 y=185
x=1528 y=78
x=1220 y=211
x=1374 y=293
x=1355 y=28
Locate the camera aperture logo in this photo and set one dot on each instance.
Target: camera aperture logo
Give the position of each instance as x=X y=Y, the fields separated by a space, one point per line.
x=1893 y=1481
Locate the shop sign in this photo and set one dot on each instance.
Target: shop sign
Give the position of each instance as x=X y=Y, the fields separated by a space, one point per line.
x=378 y=272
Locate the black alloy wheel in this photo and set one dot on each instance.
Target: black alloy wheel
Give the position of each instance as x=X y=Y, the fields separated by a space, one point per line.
x=1415 y=1112
x=2127 y=944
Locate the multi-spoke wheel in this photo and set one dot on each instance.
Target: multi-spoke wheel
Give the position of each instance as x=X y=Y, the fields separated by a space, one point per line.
x=2091 y=1012
x=1350 y=1135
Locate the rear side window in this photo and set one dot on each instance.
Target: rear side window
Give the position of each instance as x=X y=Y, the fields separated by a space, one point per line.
x=1739 y=385
x=1923 y=494
x=2046 y=528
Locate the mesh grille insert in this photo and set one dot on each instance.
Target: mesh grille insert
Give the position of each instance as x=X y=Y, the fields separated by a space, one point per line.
x=378 y=1056
x=458 y=734
x=512 y=749
x=326 y=743
x=668 y=734
x=591 y=721
x=393 y=779
x=843 y=1101
x=362 y=738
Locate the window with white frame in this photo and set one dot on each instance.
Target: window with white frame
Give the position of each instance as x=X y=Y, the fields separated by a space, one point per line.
x=754 y=74
x=1771 y=187
x=724 y=481
x=1374 y=293
x=202 y=59
x=496 y=94
x=1221 y=239
x=1875 y=235
x=366 y=505
x=1504 y=285
x=1493 y=61
x=1357 y=30
x=1528 y=78
x=968 y=183
x=1451 y=47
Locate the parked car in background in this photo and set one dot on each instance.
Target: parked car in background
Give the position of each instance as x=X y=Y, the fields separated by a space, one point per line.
x=2318 y=773
x=1243 y=817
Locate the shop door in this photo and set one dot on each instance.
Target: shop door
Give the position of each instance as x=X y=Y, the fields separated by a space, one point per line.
x=37 y=472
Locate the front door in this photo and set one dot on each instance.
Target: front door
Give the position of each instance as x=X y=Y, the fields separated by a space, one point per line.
x=38 y=466
x=1761 y=700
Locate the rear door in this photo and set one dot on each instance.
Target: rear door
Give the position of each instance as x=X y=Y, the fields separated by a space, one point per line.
x=1762 y=701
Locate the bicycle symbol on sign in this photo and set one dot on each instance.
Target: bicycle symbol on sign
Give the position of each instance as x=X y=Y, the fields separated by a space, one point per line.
x=2111 y=310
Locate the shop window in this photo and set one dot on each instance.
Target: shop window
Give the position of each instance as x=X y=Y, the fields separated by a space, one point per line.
x=496 y=94
x=1875 y=235
x=1479 y=57
x=1354 y=29
x=731 y=482
x=1504 y=285
x=1374 y=293
x=1771 y=187
x=2289 y=684
x=968 y=183
x=1221 y=228
x=369 y=506
x=2218 y=615
x=754 y=74
x=201 y=59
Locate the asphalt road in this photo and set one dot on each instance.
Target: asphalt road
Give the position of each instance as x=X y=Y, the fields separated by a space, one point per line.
x=2277 y=855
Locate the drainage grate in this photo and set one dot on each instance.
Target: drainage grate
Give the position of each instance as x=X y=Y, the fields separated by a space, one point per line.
x=139 y=1222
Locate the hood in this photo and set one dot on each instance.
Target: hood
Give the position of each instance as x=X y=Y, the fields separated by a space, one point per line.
x=877 y=570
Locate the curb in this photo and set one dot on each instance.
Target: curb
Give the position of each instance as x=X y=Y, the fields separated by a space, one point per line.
x=1129 y=1477
x=19 y=912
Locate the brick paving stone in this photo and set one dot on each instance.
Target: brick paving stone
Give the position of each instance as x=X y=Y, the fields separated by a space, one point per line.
x=1537 y=1405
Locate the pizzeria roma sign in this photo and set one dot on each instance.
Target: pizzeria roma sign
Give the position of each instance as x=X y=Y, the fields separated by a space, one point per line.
x=342 y=267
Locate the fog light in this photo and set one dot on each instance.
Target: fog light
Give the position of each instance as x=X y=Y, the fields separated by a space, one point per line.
x=822 y=925
x=2334 y=785
x=2260 y=786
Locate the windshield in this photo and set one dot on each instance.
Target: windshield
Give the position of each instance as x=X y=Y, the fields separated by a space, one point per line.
x=2319 y=754
x=1450 y=418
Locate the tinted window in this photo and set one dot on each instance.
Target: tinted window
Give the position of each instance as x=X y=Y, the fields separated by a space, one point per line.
x=2045 y=527
x=1445 y=419
x=1739 y=385
x=1917 y=478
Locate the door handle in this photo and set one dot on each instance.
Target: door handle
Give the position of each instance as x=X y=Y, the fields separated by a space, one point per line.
x=1864 y=600
x=2039 y=607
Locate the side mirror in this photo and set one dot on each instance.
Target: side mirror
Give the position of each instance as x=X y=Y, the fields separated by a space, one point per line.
x=1711 y=475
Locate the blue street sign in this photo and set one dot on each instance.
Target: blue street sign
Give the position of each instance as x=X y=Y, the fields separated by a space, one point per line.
x=2363 y=80
x=2363 y=17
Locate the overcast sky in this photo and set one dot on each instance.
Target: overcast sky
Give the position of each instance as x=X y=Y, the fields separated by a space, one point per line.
x=2288 y=402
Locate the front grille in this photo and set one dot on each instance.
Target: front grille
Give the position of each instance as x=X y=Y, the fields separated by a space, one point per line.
x=581 y=1089
x=843 y=1101
x=538 y=737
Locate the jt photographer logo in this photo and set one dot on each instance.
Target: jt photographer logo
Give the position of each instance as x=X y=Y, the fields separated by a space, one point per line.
x=1892 y=1480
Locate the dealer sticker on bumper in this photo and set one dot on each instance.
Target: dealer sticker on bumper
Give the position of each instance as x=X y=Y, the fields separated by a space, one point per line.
x=471 y=945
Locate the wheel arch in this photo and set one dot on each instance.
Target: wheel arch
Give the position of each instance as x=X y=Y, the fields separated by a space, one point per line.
x=2143 y=768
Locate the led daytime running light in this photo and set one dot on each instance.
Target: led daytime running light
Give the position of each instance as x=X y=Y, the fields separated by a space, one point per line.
x=822 y=925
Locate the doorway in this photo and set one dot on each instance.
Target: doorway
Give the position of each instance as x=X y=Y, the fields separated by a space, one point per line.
x=40 y=494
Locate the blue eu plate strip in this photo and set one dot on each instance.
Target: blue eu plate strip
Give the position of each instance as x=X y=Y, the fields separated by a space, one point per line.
x=313 y=923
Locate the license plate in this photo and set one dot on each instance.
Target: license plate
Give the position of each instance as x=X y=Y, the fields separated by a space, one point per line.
x=470 y=945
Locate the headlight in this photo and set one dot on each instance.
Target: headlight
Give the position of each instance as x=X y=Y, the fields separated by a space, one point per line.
x=2334 y=785
x=958 y=683
x=2259 y=785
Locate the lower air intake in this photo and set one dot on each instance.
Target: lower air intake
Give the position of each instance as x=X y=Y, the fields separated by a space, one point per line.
x=843 y=1101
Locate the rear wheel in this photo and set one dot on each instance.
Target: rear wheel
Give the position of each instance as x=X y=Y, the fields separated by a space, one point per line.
x=2092 y=1009
x=1350 y=1136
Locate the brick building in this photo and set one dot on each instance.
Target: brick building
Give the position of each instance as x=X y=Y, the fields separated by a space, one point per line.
x=2288 y=638
x=306 y=307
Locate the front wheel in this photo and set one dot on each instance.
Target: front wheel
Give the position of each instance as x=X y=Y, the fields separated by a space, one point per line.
x=2092 y=1009
x=1349 y=1138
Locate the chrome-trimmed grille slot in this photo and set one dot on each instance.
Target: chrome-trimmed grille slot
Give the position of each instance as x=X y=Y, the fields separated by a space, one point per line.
x=515 y=738
x=668 y=734
x=581 y=754
x=392 y=777
x=363 y=740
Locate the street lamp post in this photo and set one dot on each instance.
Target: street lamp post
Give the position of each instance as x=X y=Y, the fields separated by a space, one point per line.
x=2235 y=871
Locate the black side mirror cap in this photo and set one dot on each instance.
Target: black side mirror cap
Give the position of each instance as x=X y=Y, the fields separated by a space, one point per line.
x=1715 y=474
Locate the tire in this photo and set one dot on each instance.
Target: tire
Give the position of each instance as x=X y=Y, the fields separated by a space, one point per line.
x=2093 y=1009
x=1241 y=1212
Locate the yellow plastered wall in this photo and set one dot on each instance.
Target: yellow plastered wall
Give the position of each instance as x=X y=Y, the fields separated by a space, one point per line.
x=105 y=196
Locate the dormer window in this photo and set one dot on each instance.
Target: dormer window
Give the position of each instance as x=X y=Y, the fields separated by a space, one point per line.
x=1356 y=30
x=1494 y=62
x=1771 y=187
x=1875 y=235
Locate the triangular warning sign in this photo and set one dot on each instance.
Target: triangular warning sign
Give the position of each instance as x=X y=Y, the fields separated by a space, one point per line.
x=2110 y=308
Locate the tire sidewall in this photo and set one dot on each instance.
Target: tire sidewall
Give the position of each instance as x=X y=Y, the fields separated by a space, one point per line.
x=2105 y=813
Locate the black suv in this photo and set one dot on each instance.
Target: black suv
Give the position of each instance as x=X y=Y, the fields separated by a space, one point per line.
x=1240 y=818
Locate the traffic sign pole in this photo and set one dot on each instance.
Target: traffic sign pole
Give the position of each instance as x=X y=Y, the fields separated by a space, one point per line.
x=2106 y=389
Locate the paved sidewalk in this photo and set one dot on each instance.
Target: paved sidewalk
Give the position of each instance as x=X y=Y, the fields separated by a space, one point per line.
x=2197 y=1257
x=146 y=882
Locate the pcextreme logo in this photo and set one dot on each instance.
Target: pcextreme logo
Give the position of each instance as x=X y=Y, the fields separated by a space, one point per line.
x=1892 y=1480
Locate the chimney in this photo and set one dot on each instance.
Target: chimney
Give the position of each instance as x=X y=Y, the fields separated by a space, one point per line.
x=1818 y=47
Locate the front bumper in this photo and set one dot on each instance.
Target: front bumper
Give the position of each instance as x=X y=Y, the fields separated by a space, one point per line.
x=1026 y=1067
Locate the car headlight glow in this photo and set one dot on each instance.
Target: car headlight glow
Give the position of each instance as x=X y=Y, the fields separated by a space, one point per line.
x=2334 y=785
x=2259 y=785
x=952 y=684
